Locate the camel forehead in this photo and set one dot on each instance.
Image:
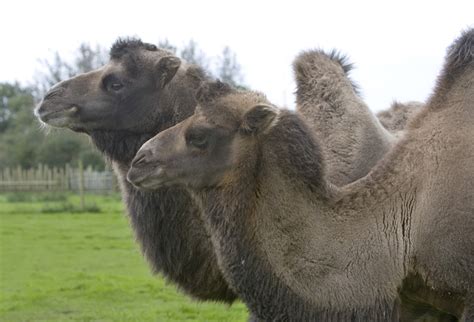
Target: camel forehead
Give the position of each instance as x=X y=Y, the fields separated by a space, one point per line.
x=216 y=115
x=232 y=106
x=133 y=59
x=133 y=46
x=226 y=112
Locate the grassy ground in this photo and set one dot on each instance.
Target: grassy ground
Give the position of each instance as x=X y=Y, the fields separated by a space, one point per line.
x=69 y=266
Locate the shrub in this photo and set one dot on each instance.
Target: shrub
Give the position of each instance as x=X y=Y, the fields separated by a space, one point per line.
x=70 y=208
x=19 y=197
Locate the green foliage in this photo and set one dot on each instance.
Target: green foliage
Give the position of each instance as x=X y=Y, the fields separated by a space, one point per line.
x=58 y=150
x=18 y=197
x=91 y=157
x=58 y=267
x=34 y=197
x=50 y=196
x=68 y=207
x=19 y=134
x=15 y=104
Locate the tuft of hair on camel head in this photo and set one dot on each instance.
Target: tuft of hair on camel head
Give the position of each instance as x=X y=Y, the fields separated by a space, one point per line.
x=212 y=90
x=124 y=45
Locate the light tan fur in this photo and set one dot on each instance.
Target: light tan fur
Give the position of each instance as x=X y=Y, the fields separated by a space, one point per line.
x=353 y=139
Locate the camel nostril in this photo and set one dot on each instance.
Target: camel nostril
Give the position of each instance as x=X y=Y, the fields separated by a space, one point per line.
x=138 y=160
x=141 y=158
x=53 y=92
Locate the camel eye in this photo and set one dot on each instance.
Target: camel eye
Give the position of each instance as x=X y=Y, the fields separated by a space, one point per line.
x=197 y=139
x=116 y=86
x=112 y=83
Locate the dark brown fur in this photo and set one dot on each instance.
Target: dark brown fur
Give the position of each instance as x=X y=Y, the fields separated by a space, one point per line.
x=166 y=222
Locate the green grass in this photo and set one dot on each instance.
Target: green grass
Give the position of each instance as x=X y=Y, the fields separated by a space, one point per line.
x=84 y=267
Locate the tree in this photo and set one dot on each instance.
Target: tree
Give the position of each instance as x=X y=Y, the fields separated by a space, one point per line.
x=14 y=101
x=88 y=59
x=225 y=66
x=165 y=44
x=17 y=141
x=228 y=69
x=58 y=69
x=192 y=54
x=23 y=142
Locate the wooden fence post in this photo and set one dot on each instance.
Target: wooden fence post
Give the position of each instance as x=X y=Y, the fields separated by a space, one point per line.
x=81 y=183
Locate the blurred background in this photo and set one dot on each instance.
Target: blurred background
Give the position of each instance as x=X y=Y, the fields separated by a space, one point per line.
x=66 y=250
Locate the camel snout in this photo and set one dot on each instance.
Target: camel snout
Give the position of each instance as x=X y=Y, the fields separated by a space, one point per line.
x=142 y=158
x=135 y=177
x=55 y=91
x=146 y=171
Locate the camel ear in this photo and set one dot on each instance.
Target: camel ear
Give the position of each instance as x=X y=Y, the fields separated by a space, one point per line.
x=258 y=119
x=166 y=68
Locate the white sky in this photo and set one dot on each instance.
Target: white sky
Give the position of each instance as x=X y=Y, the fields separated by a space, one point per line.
x=397 y=46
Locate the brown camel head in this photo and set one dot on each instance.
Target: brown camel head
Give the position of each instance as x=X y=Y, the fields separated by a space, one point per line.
x=202 y=150
x=121 y=95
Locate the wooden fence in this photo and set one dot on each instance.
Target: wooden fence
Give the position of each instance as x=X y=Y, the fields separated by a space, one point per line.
x=44 y=178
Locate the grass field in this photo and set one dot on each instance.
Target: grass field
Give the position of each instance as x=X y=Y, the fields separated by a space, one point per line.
x=58 y=264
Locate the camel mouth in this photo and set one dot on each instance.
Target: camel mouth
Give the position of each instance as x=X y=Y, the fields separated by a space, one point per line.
x=147 y=180
x=58 y=118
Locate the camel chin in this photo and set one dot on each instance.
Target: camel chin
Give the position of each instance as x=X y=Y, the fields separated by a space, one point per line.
x=60 y=119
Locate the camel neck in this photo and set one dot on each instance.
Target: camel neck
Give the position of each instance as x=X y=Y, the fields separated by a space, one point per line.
x=119 y=146
x=278 y=240
x=276 y=251
x=166 y=221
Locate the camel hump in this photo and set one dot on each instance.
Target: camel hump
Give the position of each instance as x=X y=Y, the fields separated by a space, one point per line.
x=308 y=59
x=461 y=53
x=457 y=71
x=310 y=65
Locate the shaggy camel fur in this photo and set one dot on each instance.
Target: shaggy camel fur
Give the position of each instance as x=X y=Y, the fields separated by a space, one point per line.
x=352 y=139
x=296 y=247
x=140 y=92
x=395 y=119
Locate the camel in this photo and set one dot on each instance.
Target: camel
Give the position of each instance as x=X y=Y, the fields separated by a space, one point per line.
x=396 y=117
x=296 y=247
x=142 y=91
x=139 y=92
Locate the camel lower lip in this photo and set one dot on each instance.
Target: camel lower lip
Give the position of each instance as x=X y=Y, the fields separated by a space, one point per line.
x=149 y=183
x=61 y=114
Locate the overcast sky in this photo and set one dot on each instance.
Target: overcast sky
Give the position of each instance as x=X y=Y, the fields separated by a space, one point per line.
x=397 y=47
